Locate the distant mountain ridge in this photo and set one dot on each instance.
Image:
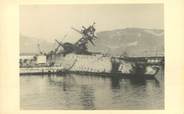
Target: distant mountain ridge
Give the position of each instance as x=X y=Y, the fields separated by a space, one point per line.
x=132 y=41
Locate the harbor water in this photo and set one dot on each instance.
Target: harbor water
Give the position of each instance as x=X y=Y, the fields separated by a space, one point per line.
x=82 y=92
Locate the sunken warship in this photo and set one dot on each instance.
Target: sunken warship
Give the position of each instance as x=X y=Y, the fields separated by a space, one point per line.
x=75 y=58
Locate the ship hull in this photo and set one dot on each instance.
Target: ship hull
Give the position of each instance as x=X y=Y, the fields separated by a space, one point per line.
x=93 y=65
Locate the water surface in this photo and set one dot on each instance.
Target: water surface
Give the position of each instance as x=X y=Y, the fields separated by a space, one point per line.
x=90 y=92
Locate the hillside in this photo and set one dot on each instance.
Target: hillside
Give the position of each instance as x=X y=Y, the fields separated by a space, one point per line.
x=132 y=41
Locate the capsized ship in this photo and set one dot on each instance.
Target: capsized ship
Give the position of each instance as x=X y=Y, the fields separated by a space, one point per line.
x=75 y=58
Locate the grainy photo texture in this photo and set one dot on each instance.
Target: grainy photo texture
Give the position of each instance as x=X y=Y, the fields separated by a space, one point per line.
x=92 y=57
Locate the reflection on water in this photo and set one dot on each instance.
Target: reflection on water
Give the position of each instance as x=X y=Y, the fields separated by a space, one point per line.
x=87 y=97
x=91 y=92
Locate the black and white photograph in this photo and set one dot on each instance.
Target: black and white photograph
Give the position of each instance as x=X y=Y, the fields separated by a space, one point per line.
x=91 y=56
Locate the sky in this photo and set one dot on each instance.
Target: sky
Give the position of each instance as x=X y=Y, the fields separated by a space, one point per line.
x=51 y=22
